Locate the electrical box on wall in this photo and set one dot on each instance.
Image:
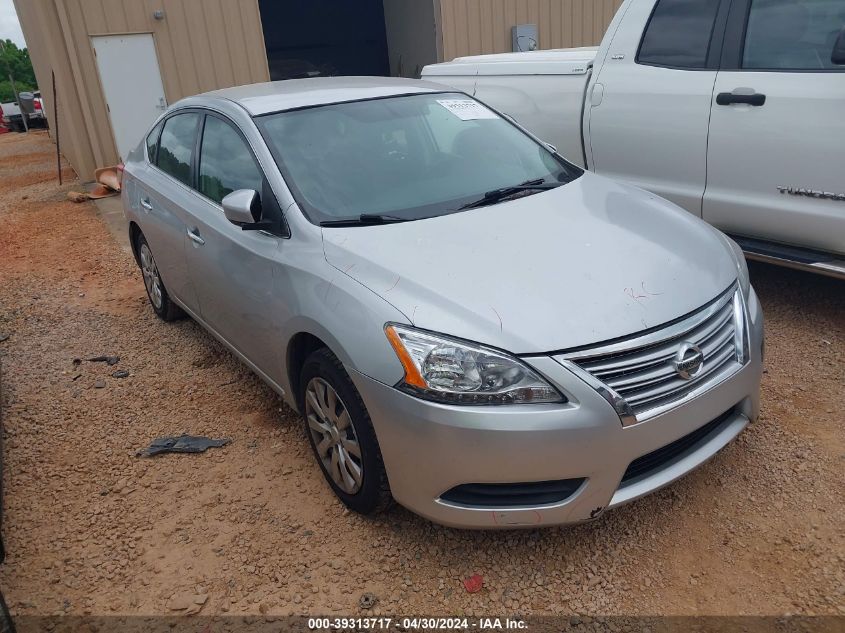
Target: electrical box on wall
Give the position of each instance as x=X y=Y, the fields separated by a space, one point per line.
x=525 y=38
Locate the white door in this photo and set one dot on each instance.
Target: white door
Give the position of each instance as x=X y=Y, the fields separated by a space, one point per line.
x=131 y=80
x=776 y=163
x=649 y=107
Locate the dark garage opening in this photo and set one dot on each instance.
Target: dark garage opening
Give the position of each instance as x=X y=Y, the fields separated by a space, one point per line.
x=307 y=38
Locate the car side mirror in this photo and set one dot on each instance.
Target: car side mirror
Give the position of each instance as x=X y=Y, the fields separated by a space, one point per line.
x=242 y=207
x=838 y=55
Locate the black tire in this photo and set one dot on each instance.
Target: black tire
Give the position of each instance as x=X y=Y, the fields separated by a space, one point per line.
x=160 y=301
x=374 y=493
x=6 y=623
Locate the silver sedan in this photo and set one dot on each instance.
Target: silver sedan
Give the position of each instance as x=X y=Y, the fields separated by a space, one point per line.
x=468 y=323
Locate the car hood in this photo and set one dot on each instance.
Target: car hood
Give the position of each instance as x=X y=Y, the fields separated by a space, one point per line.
x=584 y=263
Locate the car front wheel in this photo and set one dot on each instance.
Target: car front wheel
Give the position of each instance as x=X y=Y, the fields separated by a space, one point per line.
x=341 y=435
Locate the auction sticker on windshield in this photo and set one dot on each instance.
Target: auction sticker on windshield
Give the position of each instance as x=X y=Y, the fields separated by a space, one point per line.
x=467 y=109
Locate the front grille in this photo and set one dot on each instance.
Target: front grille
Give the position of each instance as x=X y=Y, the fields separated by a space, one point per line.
x=664 y=456
x=512 y=495
x=642 y=370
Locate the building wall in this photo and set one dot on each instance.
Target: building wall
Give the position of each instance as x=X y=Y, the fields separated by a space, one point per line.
x=411 y=36
x=473 y=27
x=201 y=45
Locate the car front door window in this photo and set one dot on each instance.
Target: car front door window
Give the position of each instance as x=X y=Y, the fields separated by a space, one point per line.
x=226 y=163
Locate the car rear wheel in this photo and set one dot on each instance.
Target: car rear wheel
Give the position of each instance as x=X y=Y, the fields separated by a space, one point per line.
x=341 y=435
x=156 y=292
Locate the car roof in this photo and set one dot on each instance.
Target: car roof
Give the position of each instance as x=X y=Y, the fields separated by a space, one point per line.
x=277 y=96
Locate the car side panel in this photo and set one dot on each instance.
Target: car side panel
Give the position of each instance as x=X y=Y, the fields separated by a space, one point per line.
x=328 y=304
x=160 y=202
x=232 y=273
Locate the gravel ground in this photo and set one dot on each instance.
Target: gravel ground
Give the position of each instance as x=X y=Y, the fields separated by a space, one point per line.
x=252 y=528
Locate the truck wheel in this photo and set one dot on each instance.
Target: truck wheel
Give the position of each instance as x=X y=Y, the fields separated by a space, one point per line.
x=156 y=292
x=342 y=436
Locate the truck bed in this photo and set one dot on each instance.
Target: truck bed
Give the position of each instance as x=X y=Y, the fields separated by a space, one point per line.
x=547 y=85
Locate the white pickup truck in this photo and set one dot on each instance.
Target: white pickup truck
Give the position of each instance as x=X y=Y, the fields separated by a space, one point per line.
x=732 y=109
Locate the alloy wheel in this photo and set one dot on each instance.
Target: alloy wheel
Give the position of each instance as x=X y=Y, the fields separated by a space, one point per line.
x=152 y=280
x=334 y=435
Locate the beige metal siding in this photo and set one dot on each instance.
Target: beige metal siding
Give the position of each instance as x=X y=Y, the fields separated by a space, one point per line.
x=41 y=27
x=201 y=45
x=473 y=27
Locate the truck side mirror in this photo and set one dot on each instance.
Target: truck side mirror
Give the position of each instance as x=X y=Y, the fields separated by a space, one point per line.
x=838 y=55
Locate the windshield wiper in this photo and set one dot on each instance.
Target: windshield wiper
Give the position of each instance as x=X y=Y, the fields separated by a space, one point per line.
x=365 y=219
x=498 y=195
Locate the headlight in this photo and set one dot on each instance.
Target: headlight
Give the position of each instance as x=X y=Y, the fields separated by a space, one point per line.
x=741 y=265
x=740 y=311
x=447 y=370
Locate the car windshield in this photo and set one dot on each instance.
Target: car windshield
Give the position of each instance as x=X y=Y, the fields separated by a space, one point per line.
x=405 y=158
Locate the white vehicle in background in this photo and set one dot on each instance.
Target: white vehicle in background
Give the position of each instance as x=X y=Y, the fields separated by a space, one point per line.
x=732 y=109
x=37 y=118
x=12 y=118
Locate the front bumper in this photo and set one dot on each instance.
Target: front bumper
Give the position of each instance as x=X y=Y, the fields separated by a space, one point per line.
x=430 y=448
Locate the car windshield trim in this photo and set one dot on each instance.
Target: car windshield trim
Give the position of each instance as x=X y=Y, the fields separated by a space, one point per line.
x=506 y=193
x=432 y=183
x=366 y=219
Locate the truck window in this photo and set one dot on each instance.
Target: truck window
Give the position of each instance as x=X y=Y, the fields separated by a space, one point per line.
x=792 y=34
x=678 y=34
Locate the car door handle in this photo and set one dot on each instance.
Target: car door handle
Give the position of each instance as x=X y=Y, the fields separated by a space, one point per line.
x=729 y=98
x=145 y=202
x=194 y=235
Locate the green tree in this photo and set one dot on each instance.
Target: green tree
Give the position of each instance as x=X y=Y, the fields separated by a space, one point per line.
x=16 y=61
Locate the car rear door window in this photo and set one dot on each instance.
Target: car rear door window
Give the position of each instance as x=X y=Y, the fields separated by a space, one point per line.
x=152 y=143
x=792 y=34
x=678 y=34
x=226 y=162
x=176 y=146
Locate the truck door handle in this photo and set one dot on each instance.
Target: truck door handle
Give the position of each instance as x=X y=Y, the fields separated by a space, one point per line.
x=729 y=98
x=194 y=236
x=145 y=202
